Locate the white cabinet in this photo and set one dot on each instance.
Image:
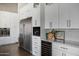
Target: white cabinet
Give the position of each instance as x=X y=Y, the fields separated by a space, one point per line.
x=74 y=15
x=64 y=15
x=36 y=16
x=68 y=15
x=72 y=50
x=36 y=46
x=56 y=50
x=25 y=10
x=64 y=50
x=51 y=16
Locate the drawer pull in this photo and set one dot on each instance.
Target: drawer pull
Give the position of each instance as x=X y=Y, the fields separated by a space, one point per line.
x=64 y=48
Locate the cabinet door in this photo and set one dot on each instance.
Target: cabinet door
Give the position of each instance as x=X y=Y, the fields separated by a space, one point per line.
x=64 y=15
x=73 y=50
x=56 y=52
x=74 y=15
x=36 y=16
x=51 y=16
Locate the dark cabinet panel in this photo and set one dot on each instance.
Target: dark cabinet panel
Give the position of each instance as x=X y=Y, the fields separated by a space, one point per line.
x=46 y=48
x=4 y=32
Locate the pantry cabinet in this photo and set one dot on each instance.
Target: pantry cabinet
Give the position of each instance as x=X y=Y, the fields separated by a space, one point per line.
x=36 y=16
x=51 y=15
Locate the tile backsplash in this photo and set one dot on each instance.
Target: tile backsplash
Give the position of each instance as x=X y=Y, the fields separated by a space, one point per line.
x=70 y=34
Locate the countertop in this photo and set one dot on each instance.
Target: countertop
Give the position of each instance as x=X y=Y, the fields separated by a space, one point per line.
x=67 y=42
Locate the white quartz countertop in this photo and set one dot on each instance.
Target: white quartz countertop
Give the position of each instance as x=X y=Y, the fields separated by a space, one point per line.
x=69 y=43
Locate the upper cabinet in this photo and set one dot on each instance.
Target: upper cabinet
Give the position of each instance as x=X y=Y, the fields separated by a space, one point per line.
x=30 y=10
x=25 y=10
x=74 y=15
x=51 y=15
x=68 y=15
x=56 y=15
x=63 y=15
x=36 y=15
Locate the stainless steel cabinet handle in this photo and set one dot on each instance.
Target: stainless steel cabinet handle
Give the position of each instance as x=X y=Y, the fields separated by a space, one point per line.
x=35 y=22
x=64 y=48
x=63 y=54
x=35 y=38
x=50 y=24
x=35 y=42
x=36 y=47
x=35 y=52
x=61 y=47
x=67 y=23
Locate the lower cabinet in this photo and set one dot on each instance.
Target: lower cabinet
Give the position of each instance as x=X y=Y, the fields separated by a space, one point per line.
x=64 y=50
x=61 y=53
x=46 y=48
x=56 y=50
x=56 y=53
x=36 y=53
x=36 y=46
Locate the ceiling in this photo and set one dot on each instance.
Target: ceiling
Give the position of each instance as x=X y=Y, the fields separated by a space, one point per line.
x=10 y=7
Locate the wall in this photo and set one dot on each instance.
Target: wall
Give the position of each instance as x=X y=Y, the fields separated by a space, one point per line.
x=11 y=7
x=9 y=20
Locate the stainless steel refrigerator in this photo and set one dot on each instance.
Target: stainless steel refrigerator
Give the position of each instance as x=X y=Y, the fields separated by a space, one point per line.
x=25 y=40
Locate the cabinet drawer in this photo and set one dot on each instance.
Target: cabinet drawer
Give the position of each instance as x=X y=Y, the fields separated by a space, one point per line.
x=36 y=43
x=36 y=40
x=36 y=47
x=36 y=53
x=35 y=37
